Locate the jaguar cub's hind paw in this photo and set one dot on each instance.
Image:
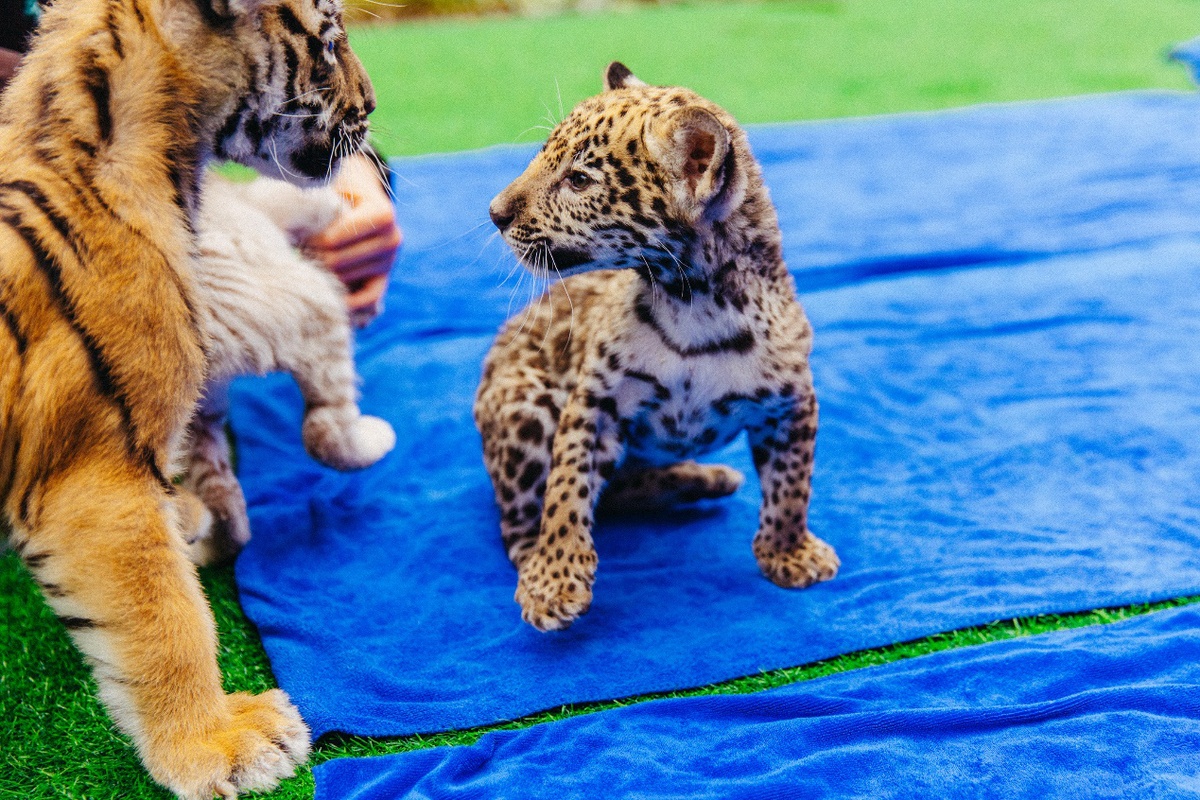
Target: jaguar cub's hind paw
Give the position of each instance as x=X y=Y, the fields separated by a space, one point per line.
x=665 y=487
x=341 y=438
x=714 y=481
x=262 y=743
x=550 y=604
x=812 y=561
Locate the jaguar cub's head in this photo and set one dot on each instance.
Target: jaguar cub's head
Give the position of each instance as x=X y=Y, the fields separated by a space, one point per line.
x=291 y=96
x=628 y=180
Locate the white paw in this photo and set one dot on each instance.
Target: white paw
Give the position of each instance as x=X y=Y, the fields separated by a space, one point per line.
x=373 y=439
x=345 y=440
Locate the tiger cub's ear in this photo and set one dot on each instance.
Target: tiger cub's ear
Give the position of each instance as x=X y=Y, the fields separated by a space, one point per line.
x=618 y=76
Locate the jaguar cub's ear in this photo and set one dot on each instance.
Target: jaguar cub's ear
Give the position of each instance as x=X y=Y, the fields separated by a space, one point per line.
x=696 y=148
x=618 y=76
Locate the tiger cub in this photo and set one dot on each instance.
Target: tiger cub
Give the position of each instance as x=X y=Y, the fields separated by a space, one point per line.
x=105 y=131
x=675 y=328
x=265 y=307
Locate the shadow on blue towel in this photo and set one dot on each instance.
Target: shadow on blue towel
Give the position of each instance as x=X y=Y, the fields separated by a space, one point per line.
x=1006 y=308
x=1106 y=711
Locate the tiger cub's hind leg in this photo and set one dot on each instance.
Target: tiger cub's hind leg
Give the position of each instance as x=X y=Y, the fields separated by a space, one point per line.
x=197 y=528
x=104 y=544
x=652 y=488
x=211 y=479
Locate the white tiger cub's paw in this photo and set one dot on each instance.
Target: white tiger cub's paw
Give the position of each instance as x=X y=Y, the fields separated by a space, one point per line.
x=301 y=212
x=344 y=439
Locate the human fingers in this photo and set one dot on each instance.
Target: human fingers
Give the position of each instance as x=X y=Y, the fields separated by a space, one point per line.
x=362 y=260
x=367 y=295
x=358 y=224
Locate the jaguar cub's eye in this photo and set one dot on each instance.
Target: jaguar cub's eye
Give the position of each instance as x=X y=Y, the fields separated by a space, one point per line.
x=579 y=180
x=331 y=47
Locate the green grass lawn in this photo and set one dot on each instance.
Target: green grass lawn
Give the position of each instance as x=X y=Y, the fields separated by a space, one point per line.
x=450 y=85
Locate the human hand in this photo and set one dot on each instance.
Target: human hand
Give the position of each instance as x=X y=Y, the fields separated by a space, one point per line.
x=9 y=61
x=361 y=244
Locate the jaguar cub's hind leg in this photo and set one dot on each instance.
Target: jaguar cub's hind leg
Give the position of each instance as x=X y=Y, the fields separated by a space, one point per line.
x=649 y=488
x=787 y=552
x=133 y=605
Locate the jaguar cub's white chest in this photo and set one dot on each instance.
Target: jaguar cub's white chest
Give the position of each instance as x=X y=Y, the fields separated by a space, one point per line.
x=691 y=406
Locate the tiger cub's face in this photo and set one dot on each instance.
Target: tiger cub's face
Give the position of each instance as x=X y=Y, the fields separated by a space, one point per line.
x=306 y=96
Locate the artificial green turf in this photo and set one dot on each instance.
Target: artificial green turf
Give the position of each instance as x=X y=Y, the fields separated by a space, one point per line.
x=457 y=84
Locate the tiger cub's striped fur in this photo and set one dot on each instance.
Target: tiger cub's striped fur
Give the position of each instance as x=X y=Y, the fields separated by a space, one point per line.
x=105 y=132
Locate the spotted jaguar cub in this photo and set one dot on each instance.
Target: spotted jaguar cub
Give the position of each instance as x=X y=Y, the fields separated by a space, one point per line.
x=675 y=328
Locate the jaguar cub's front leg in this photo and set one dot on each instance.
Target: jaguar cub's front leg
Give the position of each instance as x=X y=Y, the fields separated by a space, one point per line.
x=787 y=552
x=554 y=587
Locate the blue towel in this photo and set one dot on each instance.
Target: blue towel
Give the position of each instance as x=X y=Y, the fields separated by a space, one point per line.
x=1007 y=304
x=1106 y=711
x=1188 y=54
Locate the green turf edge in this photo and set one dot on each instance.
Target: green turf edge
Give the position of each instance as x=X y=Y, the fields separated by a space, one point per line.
x=341 y=746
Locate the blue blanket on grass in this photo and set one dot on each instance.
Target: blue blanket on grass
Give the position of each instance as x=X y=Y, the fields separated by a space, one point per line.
x=1007 y=309
x=1111 y=711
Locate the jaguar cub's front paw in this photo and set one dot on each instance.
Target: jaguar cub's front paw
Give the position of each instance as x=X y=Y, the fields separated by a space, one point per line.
x=549 y=603
x=812 y=561
x=262 y=743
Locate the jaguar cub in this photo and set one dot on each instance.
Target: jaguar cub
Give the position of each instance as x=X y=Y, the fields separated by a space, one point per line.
x=675 y=328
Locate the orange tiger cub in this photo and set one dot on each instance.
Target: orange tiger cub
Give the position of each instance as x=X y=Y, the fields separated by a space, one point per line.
x=105 y=132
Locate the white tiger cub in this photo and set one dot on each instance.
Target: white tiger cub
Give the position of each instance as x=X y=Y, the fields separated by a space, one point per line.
x=265 y=307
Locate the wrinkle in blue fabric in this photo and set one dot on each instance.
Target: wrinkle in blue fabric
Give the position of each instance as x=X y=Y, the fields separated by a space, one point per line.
x=1104 y=711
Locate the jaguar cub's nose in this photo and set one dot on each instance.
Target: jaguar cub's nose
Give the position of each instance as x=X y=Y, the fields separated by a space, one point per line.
x=502 y=215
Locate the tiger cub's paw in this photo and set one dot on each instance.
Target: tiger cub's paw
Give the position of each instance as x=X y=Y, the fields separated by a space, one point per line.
x=339 y=437
x=263 y=743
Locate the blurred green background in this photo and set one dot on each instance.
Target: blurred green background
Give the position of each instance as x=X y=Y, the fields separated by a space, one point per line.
x=461 y=83
x=489 y=77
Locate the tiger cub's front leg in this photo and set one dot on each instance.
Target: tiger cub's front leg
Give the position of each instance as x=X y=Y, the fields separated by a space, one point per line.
x=786 y=551
x=554 y=586
x=103 y=540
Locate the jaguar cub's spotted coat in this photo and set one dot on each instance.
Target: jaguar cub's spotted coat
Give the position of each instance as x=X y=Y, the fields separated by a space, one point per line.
x=684 y=332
